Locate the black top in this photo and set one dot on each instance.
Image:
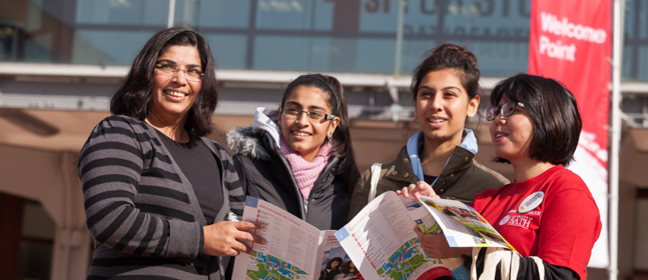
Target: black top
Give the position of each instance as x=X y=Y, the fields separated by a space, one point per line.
x=429 y=179
x=201 y=168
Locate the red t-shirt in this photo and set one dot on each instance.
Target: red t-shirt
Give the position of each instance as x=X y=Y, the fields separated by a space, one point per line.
x=552 y=216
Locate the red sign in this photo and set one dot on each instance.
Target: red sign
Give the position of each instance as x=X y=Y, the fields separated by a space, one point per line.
x=571 y=42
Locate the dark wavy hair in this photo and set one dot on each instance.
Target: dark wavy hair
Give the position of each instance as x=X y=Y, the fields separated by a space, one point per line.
x=342 y=146
x=336 y=259
x=134 y=96
x=449 y=56
x=553 y=110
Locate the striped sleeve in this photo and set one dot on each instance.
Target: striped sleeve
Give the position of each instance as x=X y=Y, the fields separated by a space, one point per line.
x=232 y=182
x=110 y=167
x=498 y=263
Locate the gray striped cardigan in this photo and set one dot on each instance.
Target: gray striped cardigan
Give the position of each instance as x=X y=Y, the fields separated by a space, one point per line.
x=141 y=209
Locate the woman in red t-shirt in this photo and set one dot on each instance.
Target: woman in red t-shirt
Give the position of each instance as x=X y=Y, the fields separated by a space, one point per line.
x=547 y=214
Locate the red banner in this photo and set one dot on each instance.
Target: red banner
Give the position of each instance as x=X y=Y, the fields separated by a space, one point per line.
x=571 y=41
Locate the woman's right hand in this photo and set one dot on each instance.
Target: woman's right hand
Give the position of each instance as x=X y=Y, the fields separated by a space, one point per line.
x=224 y=238
x=436 y=246
x=417 y=190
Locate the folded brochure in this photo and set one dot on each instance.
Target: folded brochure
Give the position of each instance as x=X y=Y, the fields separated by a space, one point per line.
x=294 y=248
x=381 y=242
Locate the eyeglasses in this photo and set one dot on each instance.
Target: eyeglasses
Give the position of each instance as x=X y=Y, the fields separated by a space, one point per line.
x=169 y=70
x=313 y=115
x=505 y=110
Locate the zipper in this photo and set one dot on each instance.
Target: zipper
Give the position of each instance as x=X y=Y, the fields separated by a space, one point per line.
x=270 y=143
x=331 y=165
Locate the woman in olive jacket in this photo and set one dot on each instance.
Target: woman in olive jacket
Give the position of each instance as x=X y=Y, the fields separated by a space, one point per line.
x=445 y=89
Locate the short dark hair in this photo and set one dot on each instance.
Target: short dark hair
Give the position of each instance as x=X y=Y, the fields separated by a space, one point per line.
x=449 y=56
x=553 y=110
x=342 y=146
x=134 y=96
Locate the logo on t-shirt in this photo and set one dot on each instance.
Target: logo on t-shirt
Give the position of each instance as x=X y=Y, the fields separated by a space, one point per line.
x=531 y=202
x=504 y=220
x=516 y=220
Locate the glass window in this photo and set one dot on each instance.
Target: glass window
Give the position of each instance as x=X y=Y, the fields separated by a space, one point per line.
x=284 y=14
x=379 y=16
x=641 y=56
x=628 y=64
x=298 y=14
x=123 y=12
x=501 y=59
x=293 y=53
x=487 y=18
x=229 y=51
x=108 y=47
x=639 y=11
x=213 y=13
x=296 y=53
x=373 y=56
x=497 y=32
x=300 y=35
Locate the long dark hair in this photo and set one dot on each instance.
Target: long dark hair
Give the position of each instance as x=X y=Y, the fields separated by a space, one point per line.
x=342 y=146
x=134 y=96
x=552 y=108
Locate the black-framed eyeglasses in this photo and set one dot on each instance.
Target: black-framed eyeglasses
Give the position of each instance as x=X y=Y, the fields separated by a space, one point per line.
x=505 y=110
x=170 y=70
x=313 y=115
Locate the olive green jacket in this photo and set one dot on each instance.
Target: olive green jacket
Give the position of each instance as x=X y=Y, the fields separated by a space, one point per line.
x=461 y=179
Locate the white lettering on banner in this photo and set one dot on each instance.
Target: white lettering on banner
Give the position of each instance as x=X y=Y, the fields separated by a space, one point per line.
x=557 y=49
x=550 y=23
x=588 y=141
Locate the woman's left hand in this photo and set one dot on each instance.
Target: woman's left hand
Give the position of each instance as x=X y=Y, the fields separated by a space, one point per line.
x=436 y=246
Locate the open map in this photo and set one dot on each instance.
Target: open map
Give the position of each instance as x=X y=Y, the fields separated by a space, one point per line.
x=294 y=249
x=267 y=267
x=407 y=259
x=381 y=240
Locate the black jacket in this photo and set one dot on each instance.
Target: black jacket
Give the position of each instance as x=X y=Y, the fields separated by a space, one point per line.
x=266 y=174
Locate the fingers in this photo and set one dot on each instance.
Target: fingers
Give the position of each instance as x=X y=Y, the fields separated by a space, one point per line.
x=228 y=238
x=404 y=192
x=243 y=232
x=249 y=225
x=415 y=189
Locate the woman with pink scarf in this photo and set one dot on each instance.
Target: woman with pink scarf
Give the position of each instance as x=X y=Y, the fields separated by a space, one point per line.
x=299 y=156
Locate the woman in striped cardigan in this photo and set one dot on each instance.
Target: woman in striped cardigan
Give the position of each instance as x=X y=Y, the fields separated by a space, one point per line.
x=156 y=191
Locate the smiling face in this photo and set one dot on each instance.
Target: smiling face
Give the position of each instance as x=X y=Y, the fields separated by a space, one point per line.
x=173 y=96
x=442 y=106
x=302 y=134
x=512 y=134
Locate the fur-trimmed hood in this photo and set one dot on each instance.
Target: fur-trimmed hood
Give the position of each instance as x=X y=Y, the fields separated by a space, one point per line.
x=243 y=140
x=248 y=140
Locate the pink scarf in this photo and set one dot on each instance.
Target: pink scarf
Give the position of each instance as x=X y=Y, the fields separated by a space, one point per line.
x=306 y=173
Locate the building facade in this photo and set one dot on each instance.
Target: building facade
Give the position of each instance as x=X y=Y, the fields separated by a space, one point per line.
x=61 y=60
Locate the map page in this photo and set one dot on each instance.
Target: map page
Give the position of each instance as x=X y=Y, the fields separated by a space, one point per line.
x=381 y=241
x=294 y=248
x=462 y=225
